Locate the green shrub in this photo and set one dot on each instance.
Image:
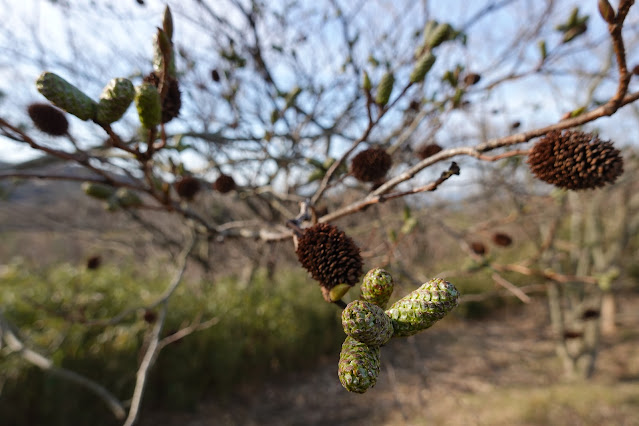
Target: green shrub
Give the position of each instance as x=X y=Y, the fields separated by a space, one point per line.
x=264 y=328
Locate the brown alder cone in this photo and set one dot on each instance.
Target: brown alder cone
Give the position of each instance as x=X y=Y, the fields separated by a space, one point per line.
x=224 y=184
x=48 y=119
x=173 y=100
x=427 y=150
x=329 y=255
x=575 y=160
x=187 y=187
x=371 y=165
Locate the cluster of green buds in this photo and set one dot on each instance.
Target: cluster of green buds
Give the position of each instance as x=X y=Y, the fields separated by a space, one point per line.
x=118 y=95
x=368 y=326
x=114 y=100
x=114 y=199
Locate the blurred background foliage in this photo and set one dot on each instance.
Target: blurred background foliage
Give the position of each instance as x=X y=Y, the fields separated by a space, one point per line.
x=273 y=325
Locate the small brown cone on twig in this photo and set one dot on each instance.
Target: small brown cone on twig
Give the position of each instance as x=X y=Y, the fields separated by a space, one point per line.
x=575 y=160
x=173 y=99
x=427 y=150
x=224 y=184
x=48 y=119
x=472 y=78
x=187 y=187
x=150 y=316
x=501 y=239
x=94 y=262
x=371 y=165
x=478 y=248
x=330 y=256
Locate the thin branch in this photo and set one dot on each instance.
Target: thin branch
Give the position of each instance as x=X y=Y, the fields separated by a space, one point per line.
x=516 y=291
x=154 y=348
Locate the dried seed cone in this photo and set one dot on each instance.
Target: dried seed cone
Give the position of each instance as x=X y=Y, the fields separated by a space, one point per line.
x=377 y=287
x=329 y=255
x=358 y=366
x=575 y=160
x=147 y=102
x=384 y=89
x=428 y=150
x=501 y=239
x=187 y=187
x=371 y=165
x=471 y=79
x=422 y=67
x=423 y=307
x=66 y=96
x=367 y=323
x=94 y=262
x=172 y=101
x=478 y=247
x=115 y=100
x=224 y=183
x=48 y=119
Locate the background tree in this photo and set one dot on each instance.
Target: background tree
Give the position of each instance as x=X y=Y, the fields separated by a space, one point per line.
x=285 y=105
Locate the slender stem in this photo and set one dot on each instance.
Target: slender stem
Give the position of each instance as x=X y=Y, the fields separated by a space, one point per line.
x=154 y=348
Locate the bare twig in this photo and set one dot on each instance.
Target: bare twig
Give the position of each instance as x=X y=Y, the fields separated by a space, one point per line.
x=516 y=291
x=153 y=347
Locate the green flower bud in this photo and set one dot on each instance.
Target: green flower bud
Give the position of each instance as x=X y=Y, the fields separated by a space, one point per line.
x=337 y=292
x=377 y=287
x=147 y=101
x=98 y=190
x=384 y=89
x=543 y=51
x=358 y=365
x=127 y=198
x=115 y=100
x=439 y=35
x=160 y=42
x=366 y=83
x=367 y=323
x=423 y=307
x=66 y=96
x=422 y=67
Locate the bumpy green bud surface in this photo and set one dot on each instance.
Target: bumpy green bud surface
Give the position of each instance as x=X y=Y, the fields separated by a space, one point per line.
x=147 y=101
x=423 y=307
x=422 y=67
x=127 y=198
x=98 y=190
x=66 y=96
x=429 y=28
x=358 y=365
x=377 y=287
x=439 y=35
x=115 y=100
x=384 y=89
x=367 y=323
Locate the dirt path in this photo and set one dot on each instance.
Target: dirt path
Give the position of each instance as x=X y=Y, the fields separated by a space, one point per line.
x=428 y=376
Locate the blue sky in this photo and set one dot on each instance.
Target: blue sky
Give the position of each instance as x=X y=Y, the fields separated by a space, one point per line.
x=118 y=44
